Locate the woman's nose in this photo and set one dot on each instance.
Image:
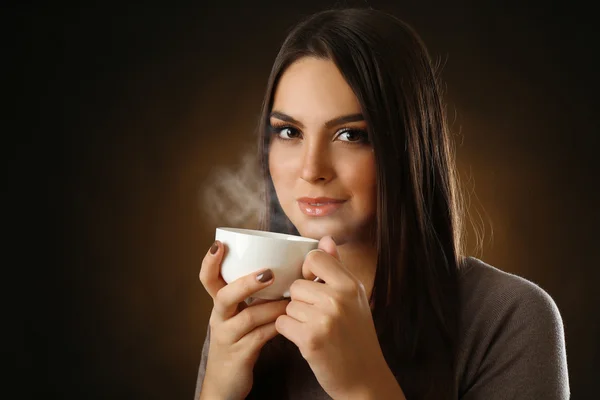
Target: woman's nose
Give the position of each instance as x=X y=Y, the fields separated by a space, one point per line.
x=316 y=163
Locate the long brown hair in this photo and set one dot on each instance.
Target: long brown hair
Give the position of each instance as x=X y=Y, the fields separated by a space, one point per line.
x=416 y=309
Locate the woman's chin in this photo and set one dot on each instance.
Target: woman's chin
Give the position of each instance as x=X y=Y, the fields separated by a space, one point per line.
x=318 y=229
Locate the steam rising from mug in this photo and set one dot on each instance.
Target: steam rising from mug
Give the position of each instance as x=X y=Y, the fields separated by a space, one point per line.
x=235 y=196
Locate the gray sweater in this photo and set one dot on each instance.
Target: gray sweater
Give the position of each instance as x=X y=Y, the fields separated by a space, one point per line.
x=512 y=343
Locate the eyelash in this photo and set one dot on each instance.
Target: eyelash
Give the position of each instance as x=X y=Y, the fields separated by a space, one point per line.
x=275 y=131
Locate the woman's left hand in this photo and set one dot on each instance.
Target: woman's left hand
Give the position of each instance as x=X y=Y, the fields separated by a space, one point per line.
x=331 y=324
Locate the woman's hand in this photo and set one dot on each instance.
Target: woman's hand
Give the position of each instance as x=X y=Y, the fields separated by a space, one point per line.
x=331 y=324
x=237 y=332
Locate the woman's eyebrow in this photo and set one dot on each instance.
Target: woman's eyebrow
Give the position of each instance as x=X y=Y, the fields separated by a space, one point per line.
x=286 y=118
x=344 y=119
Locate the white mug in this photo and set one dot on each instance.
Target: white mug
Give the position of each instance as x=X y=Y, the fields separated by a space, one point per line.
x=248 y=251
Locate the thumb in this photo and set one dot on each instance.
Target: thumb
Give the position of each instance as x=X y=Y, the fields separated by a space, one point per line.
x=328 y=246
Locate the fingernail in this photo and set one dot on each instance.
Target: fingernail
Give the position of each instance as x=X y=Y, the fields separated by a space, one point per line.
x=214 y=248
x=265 y=276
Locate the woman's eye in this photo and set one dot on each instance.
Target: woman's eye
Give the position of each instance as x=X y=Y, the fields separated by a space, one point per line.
x=353 y=136
x=286 y=132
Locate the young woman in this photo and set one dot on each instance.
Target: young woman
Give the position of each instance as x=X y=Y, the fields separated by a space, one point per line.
x=356 y=152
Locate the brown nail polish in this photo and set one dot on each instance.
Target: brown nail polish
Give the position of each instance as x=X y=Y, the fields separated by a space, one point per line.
x=214 y=248
x=265 y=276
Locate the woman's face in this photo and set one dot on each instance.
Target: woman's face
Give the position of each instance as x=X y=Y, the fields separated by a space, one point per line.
x=320 y=159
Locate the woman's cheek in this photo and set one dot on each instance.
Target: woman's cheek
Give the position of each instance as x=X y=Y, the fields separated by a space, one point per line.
x=281 y=168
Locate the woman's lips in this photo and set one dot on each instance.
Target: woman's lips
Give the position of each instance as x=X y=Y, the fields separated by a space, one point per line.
x=319 y=206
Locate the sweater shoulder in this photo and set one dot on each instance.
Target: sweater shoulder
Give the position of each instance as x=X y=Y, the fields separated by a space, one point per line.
x=509 y=326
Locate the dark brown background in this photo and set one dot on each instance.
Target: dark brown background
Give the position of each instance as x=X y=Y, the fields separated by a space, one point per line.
x=118 y=116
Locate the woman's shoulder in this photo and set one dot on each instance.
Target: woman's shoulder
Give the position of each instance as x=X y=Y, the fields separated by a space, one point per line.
x=483 y=285
x=511 y=336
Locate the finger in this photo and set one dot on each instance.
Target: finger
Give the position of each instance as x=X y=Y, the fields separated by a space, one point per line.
x=259 y=337
x=318 y=263
x=290 y=328
x=229 y=297
x=210 y=275
x=253 y=317
x=310 y=292
x=329 y=246
x=301 y=311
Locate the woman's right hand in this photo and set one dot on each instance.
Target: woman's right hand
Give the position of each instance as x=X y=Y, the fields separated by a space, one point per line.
x=237 y=331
